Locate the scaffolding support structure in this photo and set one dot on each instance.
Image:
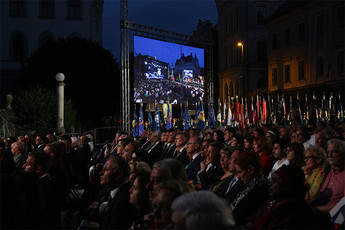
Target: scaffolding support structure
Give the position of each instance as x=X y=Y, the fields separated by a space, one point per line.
x=157 y=33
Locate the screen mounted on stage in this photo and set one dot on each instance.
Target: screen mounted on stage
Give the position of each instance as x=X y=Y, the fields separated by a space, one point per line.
x=165 y=71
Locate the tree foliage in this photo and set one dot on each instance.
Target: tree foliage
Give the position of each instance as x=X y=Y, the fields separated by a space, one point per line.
x=36 y=110
x=92 y=76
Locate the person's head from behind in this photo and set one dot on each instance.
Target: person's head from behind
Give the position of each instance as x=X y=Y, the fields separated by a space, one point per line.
x=287 y=183
x=115 y=172
x=164 y=170
x=166 y=193
x=200 y=210
x=137 y=168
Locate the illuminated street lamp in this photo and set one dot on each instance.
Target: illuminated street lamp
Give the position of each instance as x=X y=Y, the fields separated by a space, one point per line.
x=240 y=44
x=60 y=77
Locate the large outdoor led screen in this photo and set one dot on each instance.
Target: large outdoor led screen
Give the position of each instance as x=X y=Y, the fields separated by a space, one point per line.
x=165 y=71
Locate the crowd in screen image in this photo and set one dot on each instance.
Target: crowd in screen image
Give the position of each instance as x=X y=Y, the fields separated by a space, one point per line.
x=238 y=171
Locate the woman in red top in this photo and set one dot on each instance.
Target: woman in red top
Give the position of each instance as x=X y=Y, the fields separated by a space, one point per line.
x=263 y=148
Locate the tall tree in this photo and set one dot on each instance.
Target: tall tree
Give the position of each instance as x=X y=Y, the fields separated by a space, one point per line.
x=92 y=76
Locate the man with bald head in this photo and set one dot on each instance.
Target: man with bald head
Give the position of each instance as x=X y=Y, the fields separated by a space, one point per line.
x=321 y=139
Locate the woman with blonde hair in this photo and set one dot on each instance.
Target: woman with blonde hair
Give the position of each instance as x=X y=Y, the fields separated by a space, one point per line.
x=315 y=161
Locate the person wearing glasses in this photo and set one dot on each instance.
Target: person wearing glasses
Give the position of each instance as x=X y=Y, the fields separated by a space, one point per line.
x=316 y=161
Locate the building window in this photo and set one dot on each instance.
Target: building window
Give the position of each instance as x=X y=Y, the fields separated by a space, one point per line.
x=301 y=32
x=274 y=41
x=18 y=8
x=301 y=70
x=287 y=37
x=287 y=73
x=74 y=9
x=47 y=8
x=261 y=15
x=341 y=17
x=18 y=47
x=262 y=51
x=319 y=66
x=320 y=25
x=274 y=76
x=340 y=61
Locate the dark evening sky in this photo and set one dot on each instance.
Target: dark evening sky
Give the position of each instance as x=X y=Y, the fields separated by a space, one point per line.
x=174 y=15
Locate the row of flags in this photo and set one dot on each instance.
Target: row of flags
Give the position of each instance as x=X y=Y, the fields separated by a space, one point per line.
x=244 y=112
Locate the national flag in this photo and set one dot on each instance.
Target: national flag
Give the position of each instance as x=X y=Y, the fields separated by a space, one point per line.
x=245 y=109
x=187 y=116
x=257 y=109
x=237 y=113
x=135 y=128
x=229 y=123
x=157 y=119
x=201 y=117
x=252 y=112
x=212 y=117
x=224 y=113
x=306 y=109
x=196 y=114
x=219 y=114
x=291 y=113
x=169 y=119
x=242 y=114
x=299 y=109
x=141 y=121
x=150 y=121
x=264 y=112
x=341 y=111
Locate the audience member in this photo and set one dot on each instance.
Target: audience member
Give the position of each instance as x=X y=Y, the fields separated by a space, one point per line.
x=200 y=210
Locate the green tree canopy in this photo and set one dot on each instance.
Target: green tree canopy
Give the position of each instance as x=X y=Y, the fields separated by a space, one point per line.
x=92 y=76
x=36 y=110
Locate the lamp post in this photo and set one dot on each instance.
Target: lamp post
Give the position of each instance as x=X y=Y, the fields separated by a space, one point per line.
x=240 y=44
x=60 y=77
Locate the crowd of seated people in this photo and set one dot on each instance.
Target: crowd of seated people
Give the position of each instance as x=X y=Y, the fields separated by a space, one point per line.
x=263 y=177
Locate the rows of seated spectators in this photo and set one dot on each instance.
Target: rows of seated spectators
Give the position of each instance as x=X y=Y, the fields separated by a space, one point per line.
x=286 y=177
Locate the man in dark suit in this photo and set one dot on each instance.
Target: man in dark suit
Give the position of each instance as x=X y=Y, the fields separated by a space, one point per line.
x=38 y=163
x=180 y=152
x=212 y=171
x=194 y=154
x=235 y=184
x=156 y=148
x=40 y=142
x=117 y=213
x=170 y=148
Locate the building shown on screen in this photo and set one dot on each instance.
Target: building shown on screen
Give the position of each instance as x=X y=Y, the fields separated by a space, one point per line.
x=163 y=72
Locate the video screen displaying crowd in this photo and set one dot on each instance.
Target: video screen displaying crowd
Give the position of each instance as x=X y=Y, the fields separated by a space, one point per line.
x=150 y=91
x=268 y=177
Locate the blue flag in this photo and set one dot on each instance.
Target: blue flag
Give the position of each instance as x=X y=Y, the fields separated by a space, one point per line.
x=157 y=120
x=149 y=121
x=169 y=119
x=141 y=122
x=187 y=118
x=212 y=117
x=135 y=127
